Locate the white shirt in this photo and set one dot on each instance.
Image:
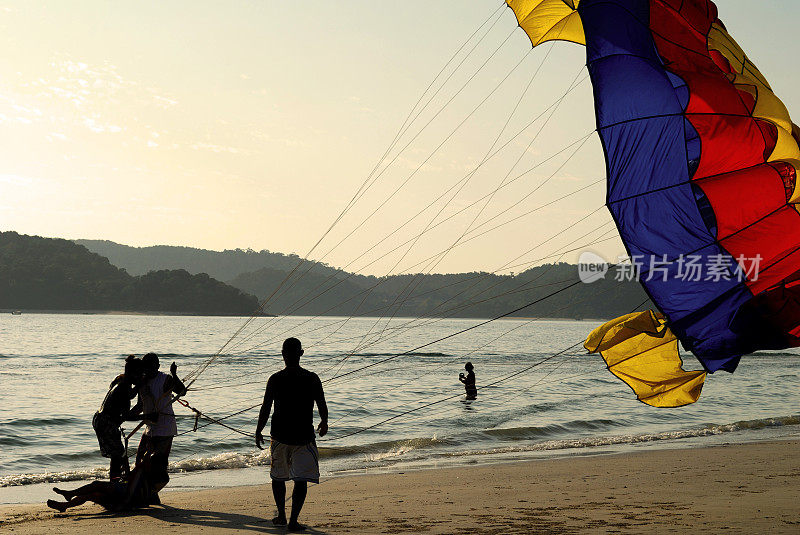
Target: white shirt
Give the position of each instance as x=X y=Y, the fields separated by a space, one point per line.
x=154 y=399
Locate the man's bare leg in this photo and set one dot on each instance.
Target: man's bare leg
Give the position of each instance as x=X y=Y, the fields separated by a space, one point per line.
x=279 y=492
x=298 y=499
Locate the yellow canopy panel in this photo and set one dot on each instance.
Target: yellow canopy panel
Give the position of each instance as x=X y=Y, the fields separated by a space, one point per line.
x=549 y=20
x=641 y=350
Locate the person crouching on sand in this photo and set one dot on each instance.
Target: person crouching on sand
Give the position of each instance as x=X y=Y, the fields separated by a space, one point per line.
x=113 y=495
x=293 y=448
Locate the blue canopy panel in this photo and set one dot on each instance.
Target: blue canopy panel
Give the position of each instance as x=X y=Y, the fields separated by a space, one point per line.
x=651 y=153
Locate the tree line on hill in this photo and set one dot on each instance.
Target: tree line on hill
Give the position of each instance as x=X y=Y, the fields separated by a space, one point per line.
x=53 y=274
x=324 y=290
x=221 y=265
x=465 y=295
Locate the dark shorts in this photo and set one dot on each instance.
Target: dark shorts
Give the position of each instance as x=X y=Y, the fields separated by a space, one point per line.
x=159 y=448
x=115 y=498
x=109 y=437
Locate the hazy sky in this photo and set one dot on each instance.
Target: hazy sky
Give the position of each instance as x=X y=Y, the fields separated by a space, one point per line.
x=252 y=124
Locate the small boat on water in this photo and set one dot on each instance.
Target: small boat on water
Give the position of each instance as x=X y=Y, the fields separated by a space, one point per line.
x=16 y=313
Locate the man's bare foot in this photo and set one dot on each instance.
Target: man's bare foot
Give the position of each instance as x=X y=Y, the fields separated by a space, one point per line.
x=279 y=520
x=65 y=493
x=58 y=506
x=295 y=526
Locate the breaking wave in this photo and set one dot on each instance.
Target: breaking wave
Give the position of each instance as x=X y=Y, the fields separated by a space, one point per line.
x=426 y=447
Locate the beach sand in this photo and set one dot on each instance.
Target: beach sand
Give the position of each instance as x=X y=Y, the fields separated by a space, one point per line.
x=738 y=488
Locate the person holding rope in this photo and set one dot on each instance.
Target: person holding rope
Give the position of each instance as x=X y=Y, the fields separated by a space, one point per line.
x=155 y=401
x=115 y=409
x=293 y=447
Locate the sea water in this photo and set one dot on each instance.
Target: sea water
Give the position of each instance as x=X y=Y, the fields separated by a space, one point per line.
x=393 y=393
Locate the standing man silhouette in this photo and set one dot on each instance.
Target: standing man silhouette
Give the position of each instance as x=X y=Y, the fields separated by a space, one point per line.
x=293 y=448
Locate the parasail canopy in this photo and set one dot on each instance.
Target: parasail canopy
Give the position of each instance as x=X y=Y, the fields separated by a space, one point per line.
x=702 y=162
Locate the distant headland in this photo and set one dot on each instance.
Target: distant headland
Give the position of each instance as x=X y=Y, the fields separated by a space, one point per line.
x=101 y=277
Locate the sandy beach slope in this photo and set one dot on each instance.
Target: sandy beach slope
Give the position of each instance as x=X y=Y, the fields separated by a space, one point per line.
x=741 y=488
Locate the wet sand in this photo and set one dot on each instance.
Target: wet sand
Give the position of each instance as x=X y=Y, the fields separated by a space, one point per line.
x=738 y=488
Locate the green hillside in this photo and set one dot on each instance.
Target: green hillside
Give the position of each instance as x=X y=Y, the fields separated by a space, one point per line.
x=475 y=294
x=54 y=274
x=222 y=265
x=319 y=289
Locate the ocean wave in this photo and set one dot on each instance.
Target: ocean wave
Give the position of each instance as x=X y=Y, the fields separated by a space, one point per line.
x=399 y=448
x=595 y=441
x=523 y=433
x=226 y=460
x=57 y=356
x=163 y=356
x=37 y=422
x=13 y=440
x=53 y=477
x=412 y=354
x=387 y=451
x=775 y=354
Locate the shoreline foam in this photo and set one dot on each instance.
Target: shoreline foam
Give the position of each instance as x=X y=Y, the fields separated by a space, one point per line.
x=751 y=487
x=428 y=449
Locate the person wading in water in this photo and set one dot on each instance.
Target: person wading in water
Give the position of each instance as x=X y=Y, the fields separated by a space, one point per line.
x=469 y=381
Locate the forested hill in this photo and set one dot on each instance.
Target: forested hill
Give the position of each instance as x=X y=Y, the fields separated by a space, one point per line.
x=327 y=291
x=222 y=265
x=481 y=295
x=53 y=274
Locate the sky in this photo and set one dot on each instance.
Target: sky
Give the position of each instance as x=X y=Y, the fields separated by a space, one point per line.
x=252 y=124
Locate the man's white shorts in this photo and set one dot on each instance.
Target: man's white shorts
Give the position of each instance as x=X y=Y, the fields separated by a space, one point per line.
x=298 y=463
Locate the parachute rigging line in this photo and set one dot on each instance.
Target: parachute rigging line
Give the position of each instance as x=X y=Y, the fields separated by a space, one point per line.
x=458 y=183
x=212 y=420
x=452 y=198
x=277 y=336
x=451 y=311
x=409 y=411
x=457 y=357
x=194 y=374
x=401 y=186
x=580 y=141
x=523 y=307
x=403 y=128
x=537 y=319
x=417 y=279
x=360 y=193
x=470 y=328
x=519 y=372
x=441 y=196
x=552 y=237
x=489 y=385
x=460 y=240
